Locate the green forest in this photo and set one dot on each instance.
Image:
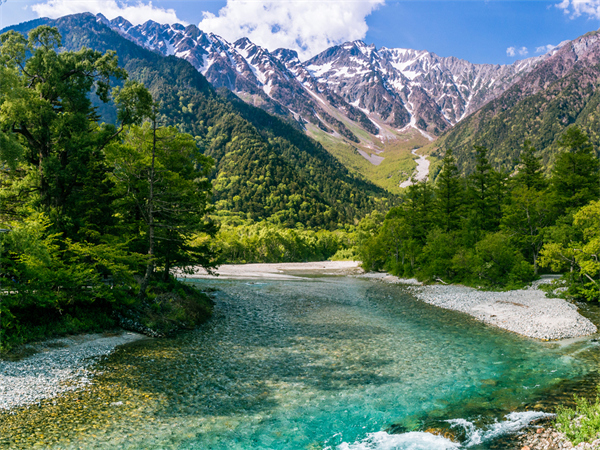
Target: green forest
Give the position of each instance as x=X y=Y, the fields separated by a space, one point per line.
x=119 y=168
x=488 y=230
x=94 y=215
x=493 y=230
x=264 y=167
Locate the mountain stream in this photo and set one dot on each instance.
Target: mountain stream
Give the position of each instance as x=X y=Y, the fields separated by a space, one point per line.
x=335 y=363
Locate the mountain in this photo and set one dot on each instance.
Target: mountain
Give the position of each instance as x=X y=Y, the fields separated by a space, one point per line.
x=370 y=107
x=559 y=92
x=352 y=91
x=265 y=167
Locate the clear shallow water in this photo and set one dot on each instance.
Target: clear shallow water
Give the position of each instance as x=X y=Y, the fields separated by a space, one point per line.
x=326 y=363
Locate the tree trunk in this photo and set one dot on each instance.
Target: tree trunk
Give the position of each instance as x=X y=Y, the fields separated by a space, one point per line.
x=150 y=266
x=167 y=270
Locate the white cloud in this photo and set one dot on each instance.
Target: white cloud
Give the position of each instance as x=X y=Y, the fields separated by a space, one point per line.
x=545 y=48
x=136 y=13
x=513 y=51
x=305 y=26
x=576 y=8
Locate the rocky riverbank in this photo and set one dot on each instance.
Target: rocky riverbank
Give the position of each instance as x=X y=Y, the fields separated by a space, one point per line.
x=551 y=439
x=55 y=366
x=276 y=271
x=525 y=311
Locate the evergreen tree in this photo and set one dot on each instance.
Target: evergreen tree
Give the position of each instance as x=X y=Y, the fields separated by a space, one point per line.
x=497 y=190
x=449 y=194
x=163 y=193
x=481 y=202
x=575 y=177
x=418 y=209
x=530 y=169
x=525 y=216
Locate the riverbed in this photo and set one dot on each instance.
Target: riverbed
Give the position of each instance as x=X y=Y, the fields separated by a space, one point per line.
x=421 y=172
x=312 y=362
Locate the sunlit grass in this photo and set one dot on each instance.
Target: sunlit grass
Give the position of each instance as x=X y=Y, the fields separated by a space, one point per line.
x=397 y=166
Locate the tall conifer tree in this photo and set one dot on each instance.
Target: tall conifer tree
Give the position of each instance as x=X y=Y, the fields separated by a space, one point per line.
x=449 y=193
x=575 y=178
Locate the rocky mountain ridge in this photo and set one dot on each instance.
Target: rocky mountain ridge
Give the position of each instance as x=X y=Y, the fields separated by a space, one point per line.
x=264 y=167
x=561 y=91
x=352 y=91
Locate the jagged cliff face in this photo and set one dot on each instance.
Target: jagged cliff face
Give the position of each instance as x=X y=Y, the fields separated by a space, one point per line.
x=560 y=91
x=347 y=87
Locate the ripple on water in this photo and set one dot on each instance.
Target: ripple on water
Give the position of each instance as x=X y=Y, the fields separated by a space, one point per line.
x=325 y=363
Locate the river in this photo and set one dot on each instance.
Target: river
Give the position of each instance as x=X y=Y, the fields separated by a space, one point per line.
x=334 y=363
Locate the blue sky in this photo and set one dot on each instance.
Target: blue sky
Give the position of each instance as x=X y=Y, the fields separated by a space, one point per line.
x=492 y=31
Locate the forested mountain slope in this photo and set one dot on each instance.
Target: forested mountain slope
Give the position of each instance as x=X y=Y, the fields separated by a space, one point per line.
x=561 y=91
x=265 y=168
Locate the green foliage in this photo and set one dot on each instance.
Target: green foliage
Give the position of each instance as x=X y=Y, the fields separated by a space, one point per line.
x=448 y=193
x=497 y=263
x=57 y=286
x=267 y=243
x=530 y=168
x=42 y=269
x=268 y=170
x=580 y=257
x=438 y=257
x=581 y=423
x=170 y=306
x=49 y=125
x=417 y=210
x=486 y=188
x=163 y=179
x=490 y=230
x=75 y=244
x=575 y=180
x=526 y=213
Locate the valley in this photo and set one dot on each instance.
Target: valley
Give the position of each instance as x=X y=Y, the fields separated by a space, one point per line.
x=352 y=98
x=134 y=156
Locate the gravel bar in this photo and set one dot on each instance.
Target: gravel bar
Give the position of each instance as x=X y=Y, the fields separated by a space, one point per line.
x=525 y=311
x=275 y=271
x=60 y=365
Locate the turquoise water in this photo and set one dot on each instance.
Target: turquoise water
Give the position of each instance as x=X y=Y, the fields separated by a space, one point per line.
x=327 y=363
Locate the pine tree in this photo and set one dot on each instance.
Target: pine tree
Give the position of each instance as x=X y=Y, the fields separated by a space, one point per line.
x=418 y=209
x=575 y=177
x=484 y=193
x=530 y=173
x=449 y=194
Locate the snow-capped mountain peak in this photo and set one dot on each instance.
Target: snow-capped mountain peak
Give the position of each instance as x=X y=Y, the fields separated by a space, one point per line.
x=346 y=86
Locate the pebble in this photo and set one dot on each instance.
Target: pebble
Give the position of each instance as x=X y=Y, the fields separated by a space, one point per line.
x=551 y=439
x=60 y=365
x=526 y=311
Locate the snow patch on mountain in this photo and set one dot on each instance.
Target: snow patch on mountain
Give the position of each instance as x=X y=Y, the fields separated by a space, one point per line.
x=368 y=87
